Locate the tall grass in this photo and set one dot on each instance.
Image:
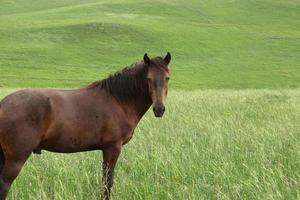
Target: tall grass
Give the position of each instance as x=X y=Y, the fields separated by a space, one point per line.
x=213 y=144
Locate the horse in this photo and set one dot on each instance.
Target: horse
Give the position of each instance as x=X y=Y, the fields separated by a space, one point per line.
x=100 y=116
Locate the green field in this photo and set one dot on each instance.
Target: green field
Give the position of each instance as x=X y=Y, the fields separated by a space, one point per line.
x=220 y=44
x=224 y=145
x=232 y=126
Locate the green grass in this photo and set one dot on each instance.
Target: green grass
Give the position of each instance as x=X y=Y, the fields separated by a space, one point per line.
x=210 y=145
x=239 y=138
x=230 y=44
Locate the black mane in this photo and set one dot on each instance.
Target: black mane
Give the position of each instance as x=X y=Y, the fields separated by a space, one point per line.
x=131 y=82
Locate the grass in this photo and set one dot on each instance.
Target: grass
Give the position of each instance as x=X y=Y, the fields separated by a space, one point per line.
x=232 y=127
x=215 y=44
x=225 y=144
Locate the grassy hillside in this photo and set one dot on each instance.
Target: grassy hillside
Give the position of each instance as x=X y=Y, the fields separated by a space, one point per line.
x=215 y=43
x=224 y=145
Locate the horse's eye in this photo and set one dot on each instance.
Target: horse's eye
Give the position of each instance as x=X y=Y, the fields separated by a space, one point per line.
x=168 y=78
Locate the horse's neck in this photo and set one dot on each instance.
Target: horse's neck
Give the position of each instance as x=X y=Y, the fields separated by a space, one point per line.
x=136 y=108
x=139 y=104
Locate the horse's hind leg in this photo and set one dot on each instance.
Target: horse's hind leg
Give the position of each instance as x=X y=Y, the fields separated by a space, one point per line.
x=10 y=171
x=16 y=149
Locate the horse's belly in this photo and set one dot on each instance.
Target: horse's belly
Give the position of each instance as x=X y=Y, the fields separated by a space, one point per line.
x=60 y=147
x=73 y=141
x=65 y=149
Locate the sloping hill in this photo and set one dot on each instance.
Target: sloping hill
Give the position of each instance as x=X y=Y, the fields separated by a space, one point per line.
x=215 y=44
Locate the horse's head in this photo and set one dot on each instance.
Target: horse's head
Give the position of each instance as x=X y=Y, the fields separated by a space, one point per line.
x=158 y=77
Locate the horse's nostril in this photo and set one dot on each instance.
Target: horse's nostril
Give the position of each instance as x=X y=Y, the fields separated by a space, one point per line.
x=158 y=110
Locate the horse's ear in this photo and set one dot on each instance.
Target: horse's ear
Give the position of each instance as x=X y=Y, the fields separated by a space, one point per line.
x=168 y=58
x=146 y=59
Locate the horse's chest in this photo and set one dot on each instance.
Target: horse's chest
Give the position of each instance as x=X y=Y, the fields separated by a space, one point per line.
x=116 y=133
x=127 y=133
x=127 y=138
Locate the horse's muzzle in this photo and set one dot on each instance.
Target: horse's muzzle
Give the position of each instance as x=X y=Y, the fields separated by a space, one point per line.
x=159 y=110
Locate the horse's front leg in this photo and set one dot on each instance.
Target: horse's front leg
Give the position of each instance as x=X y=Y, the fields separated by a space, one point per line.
x=110 y=157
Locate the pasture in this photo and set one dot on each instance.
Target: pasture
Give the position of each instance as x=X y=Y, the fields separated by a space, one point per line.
x=210 y=145
x=232 y=124
x=216 y=44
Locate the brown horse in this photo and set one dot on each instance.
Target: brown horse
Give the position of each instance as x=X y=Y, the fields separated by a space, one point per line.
x=101 y=116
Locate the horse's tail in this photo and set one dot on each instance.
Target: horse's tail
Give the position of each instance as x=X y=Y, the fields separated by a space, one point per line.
x=2 y=159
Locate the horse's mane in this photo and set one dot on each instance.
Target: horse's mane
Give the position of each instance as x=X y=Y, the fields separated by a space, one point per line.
x=130 y=82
